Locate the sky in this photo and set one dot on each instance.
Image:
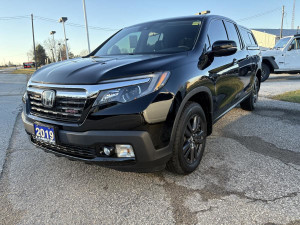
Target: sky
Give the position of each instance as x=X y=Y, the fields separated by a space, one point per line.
x=16 y=36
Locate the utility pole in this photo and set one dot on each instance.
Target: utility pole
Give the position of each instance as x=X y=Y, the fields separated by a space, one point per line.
x=293 y=16
x=34 y=50
x=282 y=22
x=52 y=33
x=86 y=26
x=63 y=20
x=298 y=29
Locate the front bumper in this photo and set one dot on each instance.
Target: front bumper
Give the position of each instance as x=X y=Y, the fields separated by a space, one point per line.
x=83 y=146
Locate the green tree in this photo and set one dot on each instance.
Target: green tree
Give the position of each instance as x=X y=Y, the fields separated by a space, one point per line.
x=40 y=55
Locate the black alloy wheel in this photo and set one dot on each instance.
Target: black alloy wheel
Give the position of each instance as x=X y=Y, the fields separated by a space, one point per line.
x=250 y=102
x=189 y=140
x=255 y=91
x=193 y=139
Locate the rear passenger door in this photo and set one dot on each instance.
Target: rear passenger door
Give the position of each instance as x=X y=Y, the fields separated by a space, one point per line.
x=253 y=50
x=229 y=76
x=243 y=60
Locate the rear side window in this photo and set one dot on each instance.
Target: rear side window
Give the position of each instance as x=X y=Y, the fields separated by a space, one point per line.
x=252 y=39
x=248 y=38
x=216 y=32
x=232 y=34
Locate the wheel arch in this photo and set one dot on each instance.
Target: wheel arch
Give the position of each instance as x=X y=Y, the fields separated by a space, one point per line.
x=203 y=96
x=258 y=75
x=270 y=62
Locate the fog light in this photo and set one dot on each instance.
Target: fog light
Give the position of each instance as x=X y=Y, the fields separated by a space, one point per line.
x=124 y=151
x=108 y=150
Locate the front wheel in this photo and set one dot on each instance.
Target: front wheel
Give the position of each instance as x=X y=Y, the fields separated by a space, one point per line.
x=265 y=72
x=190 y=139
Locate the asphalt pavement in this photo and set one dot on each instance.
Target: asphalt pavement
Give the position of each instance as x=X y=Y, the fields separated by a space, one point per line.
x=287 y=83
x=250 y=174
x=12 y=87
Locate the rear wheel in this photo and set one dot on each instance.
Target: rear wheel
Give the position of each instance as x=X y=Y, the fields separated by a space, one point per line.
x=190 y=139
x=265 y=72
x=250 y=102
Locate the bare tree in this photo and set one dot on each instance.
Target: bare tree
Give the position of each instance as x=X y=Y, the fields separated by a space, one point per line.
x=49 y=44
x=30 y=55
x=63 y=52
x=60 y=49
x=84 y=52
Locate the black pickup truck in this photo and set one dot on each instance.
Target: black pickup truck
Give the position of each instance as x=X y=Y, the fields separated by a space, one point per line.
x=147 y=98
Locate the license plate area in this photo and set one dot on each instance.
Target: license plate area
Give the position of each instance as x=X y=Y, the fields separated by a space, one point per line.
x=45 y=133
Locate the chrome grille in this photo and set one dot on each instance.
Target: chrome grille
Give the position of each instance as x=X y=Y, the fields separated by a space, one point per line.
x=65 y=108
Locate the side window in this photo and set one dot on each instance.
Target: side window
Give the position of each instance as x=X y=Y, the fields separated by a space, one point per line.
x=252 y=39
x=232 y=34
x=246 y=37
x=295 y=45
x=216 y=32
x=298 y=43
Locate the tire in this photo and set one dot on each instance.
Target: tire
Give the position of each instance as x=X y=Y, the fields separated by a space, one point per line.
x=250 y=102
x=190 y=139
x=265 y=72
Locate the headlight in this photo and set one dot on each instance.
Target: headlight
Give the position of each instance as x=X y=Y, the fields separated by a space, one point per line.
x=132 y=89
x=24 y=98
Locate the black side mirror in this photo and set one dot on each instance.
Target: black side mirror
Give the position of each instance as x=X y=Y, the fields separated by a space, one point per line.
x=223 y=48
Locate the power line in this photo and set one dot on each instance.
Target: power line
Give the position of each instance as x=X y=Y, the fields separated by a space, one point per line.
x=56 y=21
x=75 y=24
x=258 y=15
x=15 y=17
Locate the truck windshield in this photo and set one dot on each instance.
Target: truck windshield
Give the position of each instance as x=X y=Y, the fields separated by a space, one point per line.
x=282 y=43
x=153 y=38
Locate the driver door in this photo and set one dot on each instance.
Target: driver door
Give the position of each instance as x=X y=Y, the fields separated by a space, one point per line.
x=292 y=55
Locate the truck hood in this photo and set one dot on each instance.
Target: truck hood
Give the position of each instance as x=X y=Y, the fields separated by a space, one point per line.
x=271 y=52
x=95 y=70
